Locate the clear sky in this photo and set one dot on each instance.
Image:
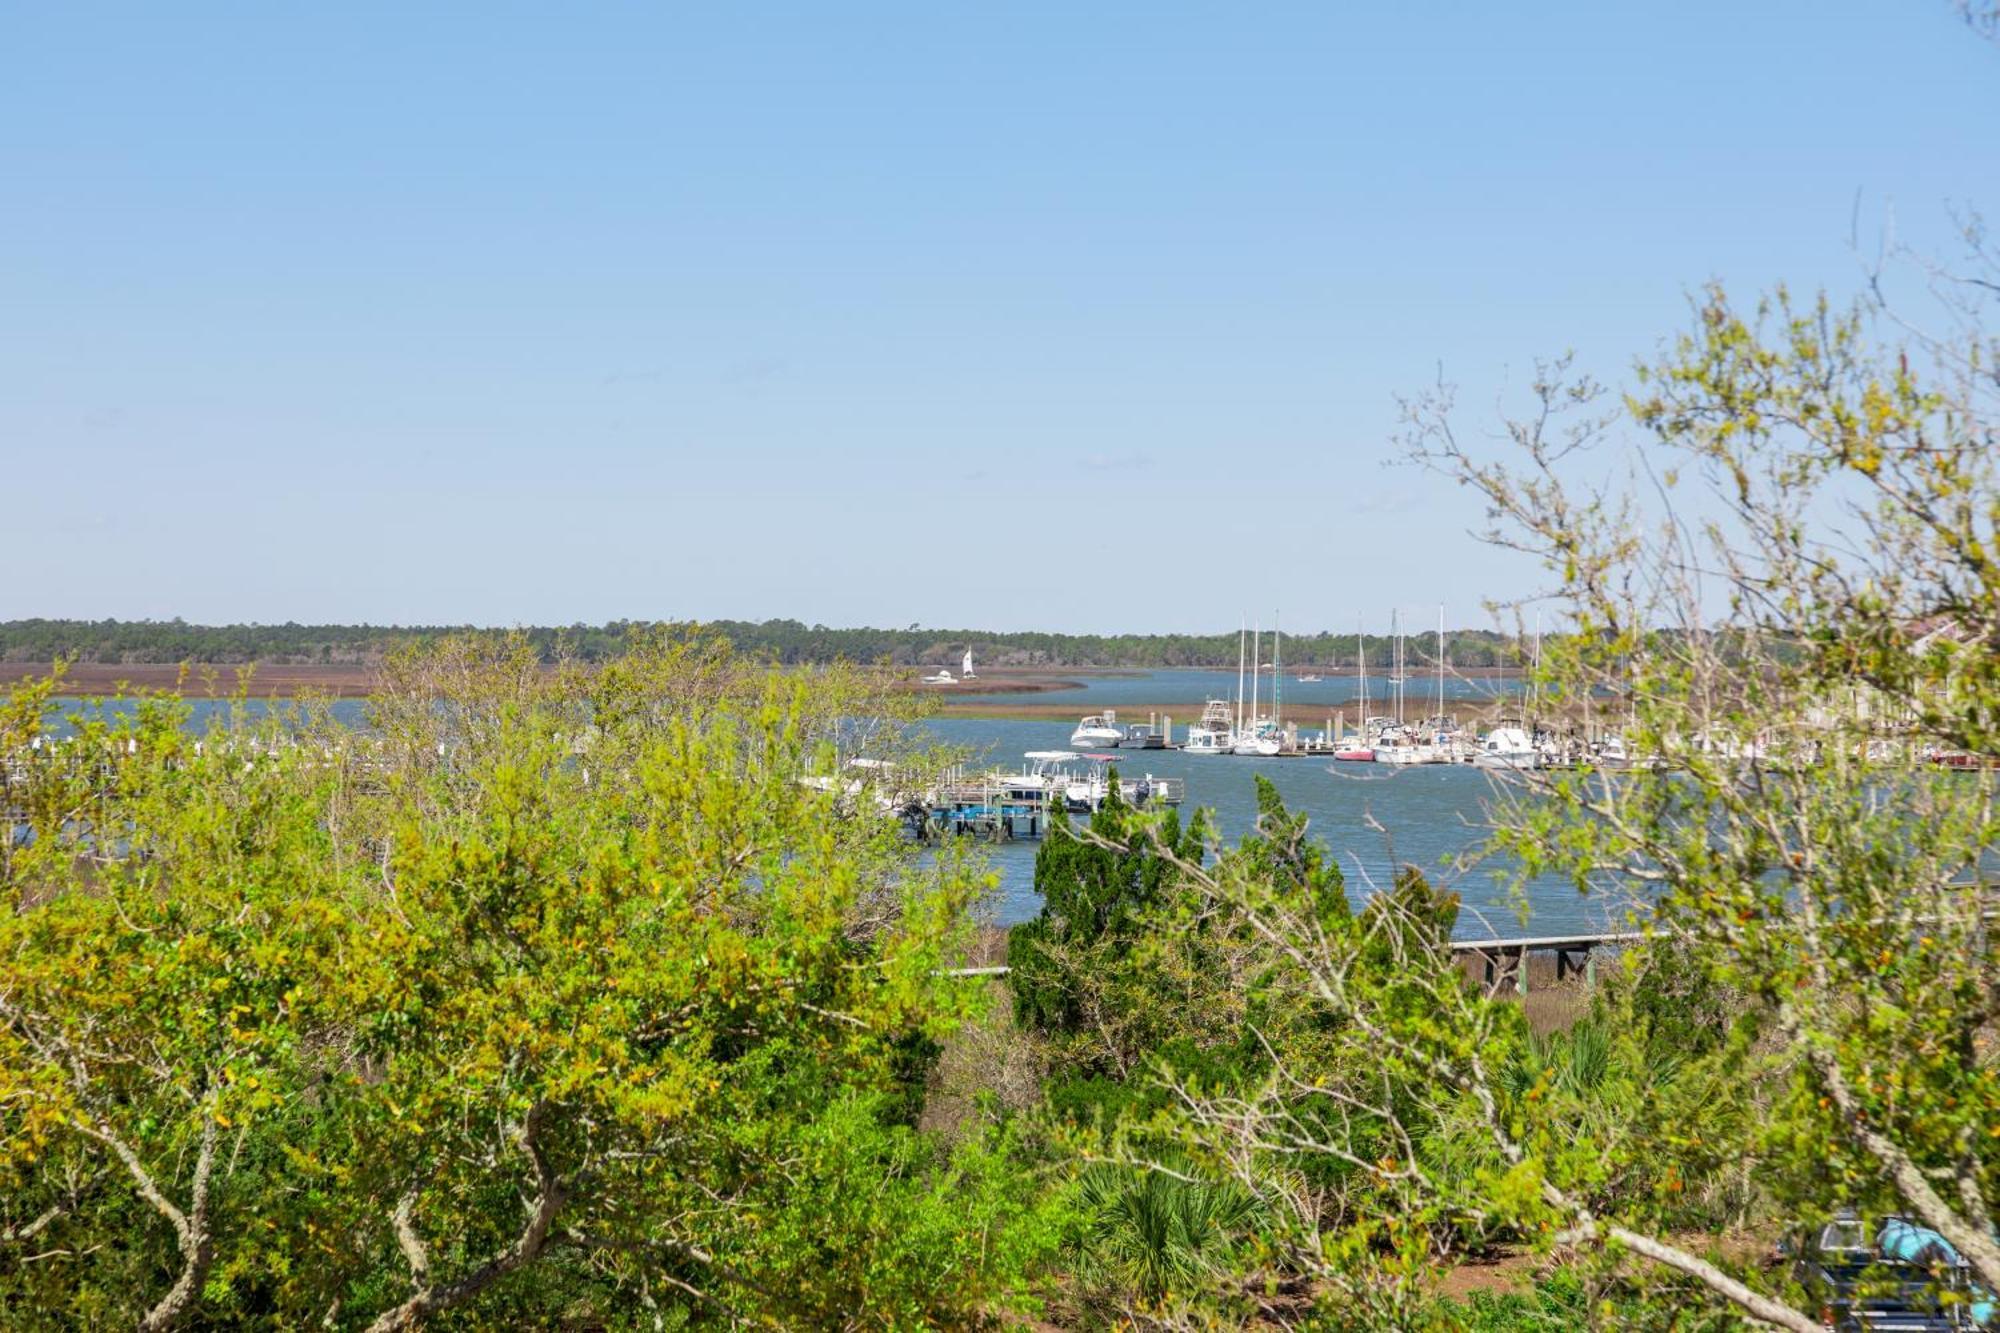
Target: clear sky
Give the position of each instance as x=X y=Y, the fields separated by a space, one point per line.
x=875 y=313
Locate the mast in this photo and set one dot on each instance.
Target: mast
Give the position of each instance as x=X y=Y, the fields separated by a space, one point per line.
x=1361 y=658
x=1277 y=673
x=1240 y=628
x=1256 y=665
x=1535 y=677
x=1440 y=711
x=1396 y=638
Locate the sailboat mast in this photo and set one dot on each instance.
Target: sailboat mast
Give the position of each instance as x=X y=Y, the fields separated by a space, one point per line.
x=1440 y=711
x=1277 y=673
x=1240 y=629
x=1396 y=637
x=1256 y=665
x=1361 y=660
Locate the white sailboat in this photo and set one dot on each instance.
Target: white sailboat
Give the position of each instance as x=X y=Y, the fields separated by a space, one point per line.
x=1403 y=744
x=1256 y=737
x=1357 y=749
x=965 y=669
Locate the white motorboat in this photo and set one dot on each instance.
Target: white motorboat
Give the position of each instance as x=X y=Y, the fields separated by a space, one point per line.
x=1200 y=740
x=1099 y=731
x=1047 y=771
x=941 y=676
x=1397 y=745
x=1507 y=747
x=1215 y=733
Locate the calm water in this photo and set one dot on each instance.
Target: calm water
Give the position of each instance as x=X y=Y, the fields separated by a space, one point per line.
x=1432 y=815
x=1312 y=700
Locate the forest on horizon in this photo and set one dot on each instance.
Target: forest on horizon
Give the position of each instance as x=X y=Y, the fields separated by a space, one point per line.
x=787 y=642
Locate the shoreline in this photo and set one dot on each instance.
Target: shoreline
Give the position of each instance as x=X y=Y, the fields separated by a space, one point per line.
x=995 y=695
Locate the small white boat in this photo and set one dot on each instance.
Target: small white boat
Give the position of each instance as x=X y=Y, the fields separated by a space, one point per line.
x=965 y=668
x=941 y=676
x=1398 y=746
x=1201 y=740
x=1047 y=771
x=1309 y=679
x=1260 y=741
x=1099 y=731
x=1507 y=747
x=1216 y=731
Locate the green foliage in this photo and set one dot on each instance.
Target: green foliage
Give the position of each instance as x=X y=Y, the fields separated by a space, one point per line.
x=1155 y=1230
x=556 y=997
x=788 y=642
x=1099 y=890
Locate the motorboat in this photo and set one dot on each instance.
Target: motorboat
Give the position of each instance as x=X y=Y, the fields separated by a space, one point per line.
x=1507 y=747
x=942 y=676
x=1215 y=733
x=1354 y=749
x=1310 y=679
x=1099 y=731
x=1200 y=740
x=1397 y=745
x=1047 y=772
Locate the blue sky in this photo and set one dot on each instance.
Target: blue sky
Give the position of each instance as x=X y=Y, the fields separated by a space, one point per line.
x=876 y=313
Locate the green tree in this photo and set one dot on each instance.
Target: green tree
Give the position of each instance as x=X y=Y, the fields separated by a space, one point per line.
x=561 y=995
x=1804 y=654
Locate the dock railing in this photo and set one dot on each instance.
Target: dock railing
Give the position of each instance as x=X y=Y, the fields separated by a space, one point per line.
x=1502 y=959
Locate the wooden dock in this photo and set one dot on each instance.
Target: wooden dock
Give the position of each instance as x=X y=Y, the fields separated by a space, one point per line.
x=1503 y=959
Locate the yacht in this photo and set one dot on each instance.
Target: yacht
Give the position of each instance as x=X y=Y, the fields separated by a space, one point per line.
x=1261 y=740
x=1099 y=731
x=1215 y=733
x=1047 y=772
x=1354 y=748
x=1399 y=745
x=1507 y=747
x=1200 y=740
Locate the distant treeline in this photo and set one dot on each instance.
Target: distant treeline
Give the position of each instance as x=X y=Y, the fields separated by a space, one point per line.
x=785 y=641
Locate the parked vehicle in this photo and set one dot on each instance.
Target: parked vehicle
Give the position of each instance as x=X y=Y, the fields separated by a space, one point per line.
x=1891 y=1276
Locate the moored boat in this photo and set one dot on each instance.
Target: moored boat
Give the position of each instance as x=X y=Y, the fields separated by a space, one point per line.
x=1099 y=731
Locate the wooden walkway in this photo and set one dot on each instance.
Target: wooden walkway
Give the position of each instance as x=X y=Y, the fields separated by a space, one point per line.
x=1502 y=960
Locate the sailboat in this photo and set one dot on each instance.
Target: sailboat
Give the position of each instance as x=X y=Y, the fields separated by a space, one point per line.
x=965 y=670
x=1257 y=737
x=1402 y=747
x=1357 y=750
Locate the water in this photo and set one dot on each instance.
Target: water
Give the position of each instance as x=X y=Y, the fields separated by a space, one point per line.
x=1312 y=700
x=1432 y=815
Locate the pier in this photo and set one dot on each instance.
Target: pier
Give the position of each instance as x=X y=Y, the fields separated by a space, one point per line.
x=1501 y=960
